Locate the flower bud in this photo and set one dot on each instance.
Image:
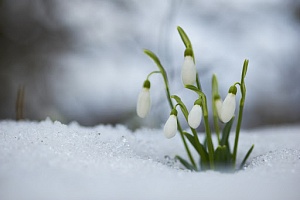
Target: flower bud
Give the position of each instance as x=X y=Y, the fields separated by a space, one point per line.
x=143 y=103
x=170 y=127
x=195 y=116
x=188 y=71
x=228 y=108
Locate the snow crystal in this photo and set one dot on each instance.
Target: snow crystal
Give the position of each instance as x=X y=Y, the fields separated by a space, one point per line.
x=50 y=160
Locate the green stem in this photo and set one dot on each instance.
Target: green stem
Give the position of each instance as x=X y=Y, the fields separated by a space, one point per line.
x=154 y=72
x=209 y=143
x=198 y=82
x=179 y=126
x=164 y=75
x=240 y=116
x=237 y=134
x=215 y=92
x=216 y=124
x=186 y=146
x=206 y=123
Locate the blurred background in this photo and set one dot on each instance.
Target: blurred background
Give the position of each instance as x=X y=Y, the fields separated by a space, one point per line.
x=83 y=60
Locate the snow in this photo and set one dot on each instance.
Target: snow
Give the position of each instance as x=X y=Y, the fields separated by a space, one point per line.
x=49 y=160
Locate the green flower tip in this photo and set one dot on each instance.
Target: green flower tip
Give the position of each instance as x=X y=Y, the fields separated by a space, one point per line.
x=198 y=102
x=217 y=97
x=232 y=90
x=146 y=84
x=188 y=52
x=174 y=112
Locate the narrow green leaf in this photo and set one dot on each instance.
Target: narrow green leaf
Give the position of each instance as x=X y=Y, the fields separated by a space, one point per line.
x=205 y=142
x=155 y=59
x=226 y=132
x=182 y=106
x=152 y=56
x=215 y=86
x=185 y=163
x=215 y=92
x=205 y=165
x=185 y=39
x=195 y=89
x=220 y=154
x=198 y=147
x=222 y=158
x=245 y=68
x=163 y=73
x=190 y=138
x=246 y=157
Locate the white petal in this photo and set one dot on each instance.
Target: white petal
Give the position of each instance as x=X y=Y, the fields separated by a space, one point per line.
x=170 y=127
x=195 y=116
x=188 y=71
x=219 y=105
x=228 y=108
x=143 y=103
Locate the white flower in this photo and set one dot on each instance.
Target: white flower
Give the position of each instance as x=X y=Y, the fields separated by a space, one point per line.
x=188 y=71
x=195 y=116
x=226 y=109
x=170 y=127
x=143 y=103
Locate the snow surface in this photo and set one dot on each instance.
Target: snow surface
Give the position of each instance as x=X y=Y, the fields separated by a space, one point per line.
x=49 y=160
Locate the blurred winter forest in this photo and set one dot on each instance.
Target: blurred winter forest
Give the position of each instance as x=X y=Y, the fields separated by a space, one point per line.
x=83 y=60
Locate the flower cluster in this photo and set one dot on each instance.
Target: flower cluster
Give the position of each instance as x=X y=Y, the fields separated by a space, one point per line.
x=210 y=157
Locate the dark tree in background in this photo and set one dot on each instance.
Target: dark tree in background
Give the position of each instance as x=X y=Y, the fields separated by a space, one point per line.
x=31 y=39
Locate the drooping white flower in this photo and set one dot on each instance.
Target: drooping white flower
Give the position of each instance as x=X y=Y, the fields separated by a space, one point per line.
x=226 y=109
x=144 y=103
x=195 y=116
x=188 y=71
x=170 y=127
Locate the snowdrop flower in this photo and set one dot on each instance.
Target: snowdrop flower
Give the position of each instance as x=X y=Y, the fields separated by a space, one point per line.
x=226 y=109
x=170 y=127
x=195 y=115
x=143 y=103
x=188 y=71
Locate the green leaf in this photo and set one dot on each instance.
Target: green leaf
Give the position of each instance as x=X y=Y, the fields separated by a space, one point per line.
x=185 y=39
x=247 y=156
x=226 y=133
x=157 y=62
x=222 y=158
x=190 y=138
x=245 y=68
x=185 y=163
x=195 y=89
x=182 y=106
x=198 y=147
x=215 y=93
x=215 y=87
x=152 y=56
x=221 y=154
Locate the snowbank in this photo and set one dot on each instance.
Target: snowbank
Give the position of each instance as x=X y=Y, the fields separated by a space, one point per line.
x=49 y=160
